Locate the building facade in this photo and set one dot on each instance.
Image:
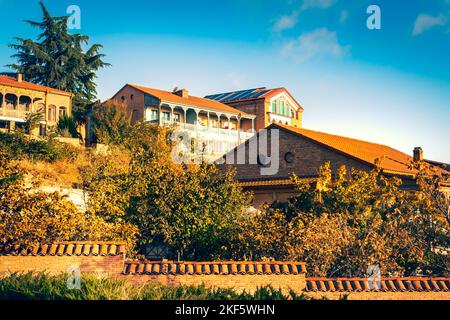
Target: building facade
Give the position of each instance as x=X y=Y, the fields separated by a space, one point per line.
x=216 y=128
x=268 y=105
x=303 y=152
x=18 y=98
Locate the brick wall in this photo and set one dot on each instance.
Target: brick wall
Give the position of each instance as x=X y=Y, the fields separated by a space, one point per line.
x=109 y=259
x=105 y=265
x=308 y=158
x=237 y=282
x=134 y=100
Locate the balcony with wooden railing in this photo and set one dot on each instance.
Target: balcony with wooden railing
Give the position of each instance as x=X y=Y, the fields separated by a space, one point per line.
x=15 y=112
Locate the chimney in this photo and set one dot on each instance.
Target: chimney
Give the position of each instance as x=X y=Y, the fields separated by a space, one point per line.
x=19 y=77
x=418 y=154
x=182 y=93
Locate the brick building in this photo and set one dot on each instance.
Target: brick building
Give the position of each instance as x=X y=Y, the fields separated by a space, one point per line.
x=303 y=152
x=216 y=125
x=268 y=105
x=18 y=98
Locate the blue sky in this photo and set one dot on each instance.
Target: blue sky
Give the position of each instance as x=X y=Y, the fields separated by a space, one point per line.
x=390 y=86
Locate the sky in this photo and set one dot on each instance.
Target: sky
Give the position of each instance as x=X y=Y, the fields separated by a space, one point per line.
x=389 y=85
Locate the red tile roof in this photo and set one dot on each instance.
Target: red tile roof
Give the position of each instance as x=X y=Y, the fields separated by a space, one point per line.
x=276 y=91
x=79 y=248
x=408 y=284
x=206 y=268
x=392 y=161
x=12 y=82
x=189 y=101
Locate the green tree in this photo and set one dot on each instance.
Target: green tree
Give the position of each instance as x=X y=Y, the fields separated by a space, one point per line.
x=112 y=123
x=193 y=209
x=29 y=216
x=32 y=120
x=67 y=127
x=57 y=59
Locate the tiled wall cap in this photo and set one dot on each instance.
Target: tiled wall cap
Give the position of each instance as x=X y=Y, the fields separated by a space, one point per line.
x=407 y=284
x=214 y=267
x=78 y=248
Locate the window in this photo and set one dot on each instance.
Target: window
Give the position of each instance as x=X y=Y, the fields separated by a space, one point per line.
x=62 y=112
x=154 y=115
x=289 y=157
x=176 y=117
x=132 y=97
x=51 y=113
x=274 y=106
x=122 y=98
x=166 y=116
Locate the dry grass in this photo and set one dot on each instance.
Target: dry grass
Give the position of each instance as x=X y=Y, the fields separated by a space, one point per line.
x=61 y=173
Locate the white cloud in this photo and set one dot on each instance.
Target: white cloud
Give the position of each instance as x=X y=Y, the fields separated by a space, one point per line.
x=424 y=22
x=286 y=22
x=318 y=43
x=323 y=4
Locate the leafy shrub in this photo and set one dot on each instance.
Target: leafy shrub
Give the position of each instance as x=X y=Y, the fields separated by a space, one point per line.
x=20 y=146
x=112 y=123
x=67 y=127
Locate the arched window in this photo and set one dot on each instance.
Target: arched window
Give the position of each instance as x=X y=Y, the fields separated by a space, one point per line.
x=51 y=115
x=25 y=103
x=11 y=101
x=1 y=100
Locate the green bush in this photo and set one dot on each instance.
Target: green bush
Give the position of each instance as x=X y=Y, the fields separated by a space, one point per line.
x=40 y=286
x=18 y=146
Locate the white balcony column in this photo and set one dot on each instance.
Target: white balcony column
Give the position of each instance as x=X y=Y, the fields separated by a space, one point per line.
x=208 y=125
x=18 y=106
x=32 y=104
x=3 y=105
x=171 y=114
x=184 y=116
x=196 y=121
x=239 y=128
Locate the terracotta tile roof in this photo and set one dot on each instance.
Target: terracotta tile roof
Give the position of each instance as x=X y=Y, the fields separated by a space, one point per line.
x=205 y=268
x=66 y=249
x=409 y=284
x=8 y=81
x=189 y=101
x=392 y=161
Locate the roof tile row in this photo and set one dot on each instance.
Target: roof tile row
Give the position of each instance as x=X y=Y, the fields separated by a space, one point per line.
x=206 y=268
x=409 y=284
x=65 y=249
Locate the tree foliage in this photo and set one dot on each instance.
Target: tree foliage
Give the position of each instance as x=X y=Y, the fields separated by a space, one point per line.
x=32 y=120
x=112 y=123
x=29 y=216
x=191 y=209
x=342 y=224
x=58 y=59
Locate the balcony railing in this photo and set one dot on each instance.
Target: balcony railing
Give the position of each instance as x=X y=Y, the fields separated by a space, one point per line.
x=18 y=113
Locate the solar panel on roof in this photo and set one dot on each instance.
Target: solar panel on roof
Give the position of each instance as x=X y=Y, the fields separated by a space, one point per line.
x=258 y=94
x=237 y=95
